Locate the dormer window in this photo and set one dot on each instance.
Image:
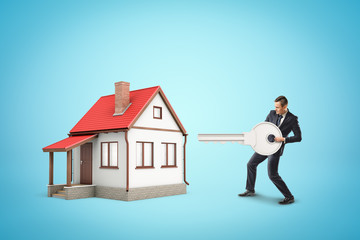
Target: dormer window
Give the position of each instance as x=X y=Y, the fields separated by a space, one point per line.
x=157 y=112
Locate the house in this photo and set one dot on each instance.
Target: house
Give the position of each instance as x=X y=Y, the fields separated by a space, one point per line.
x=128 y=146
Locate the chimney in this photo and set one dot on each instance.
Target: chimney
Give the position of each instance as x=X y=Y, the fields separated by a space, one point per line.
x=122 y=97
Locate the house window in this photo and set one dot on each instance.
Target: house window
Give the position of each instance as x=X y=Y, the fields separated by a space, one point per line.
x=169 y=150
x=157 y=112
x=109 y=155
x=144 y=155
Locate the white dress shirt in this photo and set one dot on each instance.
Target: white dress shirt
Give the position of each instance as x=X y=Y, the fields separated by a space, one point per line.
x=283 y=117
x=282 y=120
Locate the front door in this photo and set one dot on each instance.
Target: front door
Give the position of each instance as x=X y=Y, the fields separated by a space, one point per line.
x=86 y=163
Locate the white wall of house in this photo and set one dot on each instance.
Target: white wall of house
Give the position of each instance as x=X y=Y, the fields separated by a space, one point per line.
x=104 y=176
x=146 y=119
x=157 y=175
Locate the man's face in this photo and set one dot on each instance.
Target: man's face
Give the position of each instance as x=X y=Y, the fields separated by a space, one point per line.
x=279 y=109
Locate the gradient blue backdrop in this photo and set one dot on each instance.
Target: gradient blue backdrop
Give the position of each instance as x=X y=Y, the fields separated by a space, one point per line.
x=221 y=64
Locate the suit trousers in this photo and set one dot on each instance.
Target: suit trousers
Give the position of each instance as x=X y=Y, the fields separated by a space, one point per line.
x=273 y=163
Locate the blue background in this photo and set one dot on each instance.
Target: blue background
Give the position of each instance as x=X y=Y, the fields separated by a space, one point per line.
x=221 y=64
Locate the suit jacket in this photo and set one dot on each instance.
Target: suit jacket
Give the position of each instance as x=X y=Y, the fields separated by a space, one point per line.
x=289 y=124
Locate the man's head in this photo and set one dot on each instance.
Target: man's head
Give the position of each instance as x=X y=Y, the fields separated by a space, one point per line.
x=281 y=105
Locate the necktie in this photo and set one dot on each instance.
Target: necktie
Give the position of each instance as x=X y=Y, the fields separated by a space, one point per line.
x=279 y=120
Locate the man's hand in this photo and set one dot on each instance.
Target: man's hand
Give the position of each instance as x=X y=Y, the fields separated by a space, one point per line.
x=279 y=139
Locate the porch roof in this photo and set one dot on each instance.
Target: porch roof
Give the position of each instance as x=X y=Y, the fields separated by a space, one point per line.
x=69 y=143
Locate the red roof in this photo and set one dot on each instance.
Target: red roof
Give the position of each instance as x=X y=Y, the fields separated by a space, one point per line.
x=68 y=143
x=100 y=116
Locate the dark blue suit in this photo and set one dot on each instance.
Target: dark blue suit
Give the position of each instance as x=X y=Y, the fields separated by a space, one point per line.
x=289 y=124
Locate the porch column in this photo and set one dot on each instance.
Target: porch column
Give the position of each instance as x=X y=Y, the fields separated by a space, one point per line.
x=51 y=168
x=68 y=174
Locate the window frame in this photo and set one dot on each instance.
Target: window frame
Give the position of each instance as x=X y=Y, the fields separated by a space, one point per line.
x=143 y=156
x=108 y=160
x=167 y=156
x=158 y=107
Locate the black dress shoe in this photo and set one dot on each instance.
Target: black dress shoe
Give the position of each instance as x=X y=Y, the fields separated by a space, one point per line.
x=247 y=193
x=287 y=200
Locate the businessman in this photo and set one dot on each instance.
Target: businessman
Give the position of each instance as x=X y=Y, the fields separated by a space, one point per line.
x=287 y=122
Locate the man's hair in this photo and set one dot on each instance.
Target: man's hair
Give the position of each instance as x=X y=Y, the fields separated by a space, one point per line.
x=282 y=99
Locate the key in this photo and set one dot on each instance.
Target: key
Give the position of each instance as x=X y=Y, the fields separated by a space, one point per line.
x=261 y=138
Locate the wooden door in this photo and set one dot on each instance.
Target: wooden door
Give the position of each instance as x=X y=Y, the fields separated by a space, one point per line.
x=86 y=163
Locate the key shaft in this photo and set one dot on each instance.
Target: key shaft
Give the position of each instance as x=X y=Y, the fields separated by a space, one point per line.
x=246 y=138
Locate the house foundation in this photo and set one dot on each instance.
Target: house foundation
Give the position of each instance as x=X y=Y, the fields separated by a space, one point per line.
x=86 y=191
x=141 y=192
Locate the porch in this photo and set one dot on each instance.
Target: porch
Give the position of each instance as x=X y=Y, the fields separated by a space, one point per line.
x=70 y=190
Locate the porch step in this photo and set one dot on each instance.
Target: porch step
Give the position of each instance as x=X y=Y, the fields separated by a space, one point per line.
x=61 y=191
x=58 y=195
